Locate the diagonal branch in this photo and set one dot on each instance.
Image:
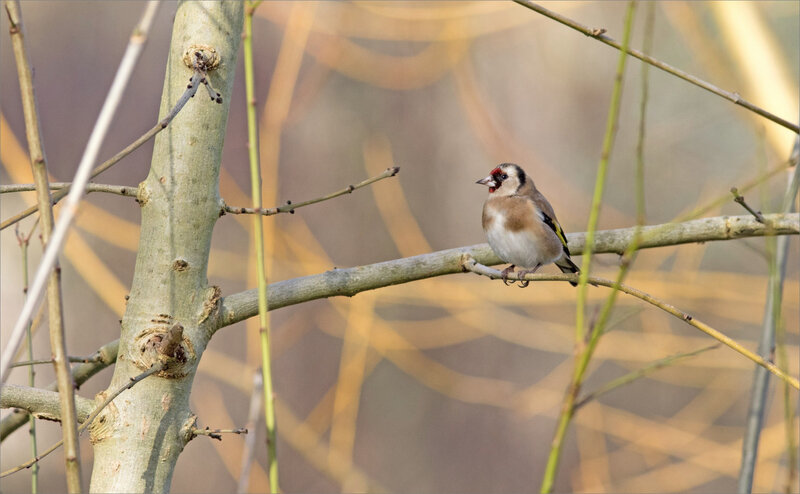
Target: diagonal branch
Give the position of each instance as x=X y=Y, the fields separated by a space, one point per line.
x=599 y=36
x=350 y=281
x=102 y=358
x=90 y=417
x=477 y=268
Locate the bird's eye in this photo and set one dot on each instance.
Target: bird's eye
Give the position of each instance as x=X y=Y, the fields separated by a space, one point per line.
x=504 y=176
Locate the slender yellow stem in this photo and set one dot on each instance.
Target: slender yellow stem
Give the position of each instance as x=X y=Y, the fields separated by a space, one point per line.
x=600 y=181
x=585 y=351
x=470 y=264
x=263 y=307
x=630 y=251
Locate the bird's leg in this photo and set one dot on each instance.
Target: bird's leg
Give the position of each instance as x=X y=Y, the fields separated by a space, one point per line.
x=525 y=283
x=504 y=273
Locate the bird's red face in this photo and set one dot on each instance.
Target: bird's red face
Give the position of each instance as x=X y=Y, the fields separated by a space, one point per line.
x=494 y=180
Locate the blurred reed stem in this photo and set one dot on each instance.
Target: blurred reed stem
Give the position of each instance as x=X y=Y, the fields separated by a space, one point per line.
x=777 y=250
x=640 y=373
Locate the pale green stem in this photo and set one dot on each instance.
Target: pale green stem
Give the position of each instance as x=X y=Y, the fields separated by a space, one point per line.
x=263 y=308
x=567 y=409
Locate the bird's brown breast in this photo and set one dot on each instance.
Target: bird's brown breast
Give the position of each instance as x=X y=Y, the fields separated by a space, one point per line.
x=517 y=213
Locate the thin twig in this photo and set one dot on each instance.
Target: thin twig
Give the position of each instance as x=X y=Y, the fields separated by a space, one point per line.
x=640 y=373
x=217 y=433
x=121 y=190
x=133 y=381
x=598 y=35
x=58 y=342
x=258 y=229
x=740 y=199
x=289 y=207
x=33 y=362
x=469 y=264
x=102 y=358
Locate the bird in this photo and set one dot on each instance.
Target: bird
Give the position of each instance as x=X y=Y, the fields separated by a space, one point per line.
x=520 y=224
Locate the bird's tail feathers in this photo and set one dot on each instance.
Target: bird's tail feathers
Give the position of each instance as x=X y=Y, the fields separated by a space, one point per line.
x=566 y=265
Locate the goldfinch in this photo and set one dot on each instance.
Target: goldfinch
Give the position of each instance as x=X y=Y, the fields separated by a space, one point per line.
x=520 y=224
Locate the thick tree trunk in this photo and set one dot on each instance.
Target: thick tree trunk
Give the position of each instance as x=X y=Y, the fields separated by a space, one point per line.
x=138 y=438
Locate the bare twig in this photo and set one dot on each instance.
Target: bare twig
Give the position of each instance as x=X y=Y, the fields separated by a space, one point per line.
x=470 y=265
x=289 y=207
x=133 y=381
x=217 y=433
x=740 y=199
x=121 y=190
x=598 y=35
x=50 y=361
x=102 y=358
